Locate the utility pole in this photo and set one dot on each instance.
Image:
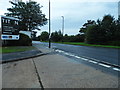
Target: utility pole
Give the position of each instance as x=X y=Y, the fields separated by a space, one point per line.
x=49 y=27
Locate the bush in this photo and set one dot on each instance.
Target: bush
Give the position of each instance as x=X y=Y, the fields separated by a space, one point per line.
x=114 y=43
x=23 y=41
x=44 y=36
x=73 y=38
x=91 y=35
x=95 y=35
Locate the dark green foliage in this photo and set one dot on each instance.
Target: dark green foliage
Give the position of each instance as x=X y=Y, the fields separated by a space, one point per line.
x=90 y=35
x=56 y=36
x=94 y=35
x=86 y=25
x=29 y=13
x=44 y=36
x=105 y=31
x=115 y=43
x=73 y=38
x=23 y=41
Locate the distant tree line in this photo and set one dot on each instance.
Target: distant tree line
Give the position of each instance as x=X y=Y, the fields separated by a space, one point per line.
x=57 y=36
x=73 y=38
x=104 y=32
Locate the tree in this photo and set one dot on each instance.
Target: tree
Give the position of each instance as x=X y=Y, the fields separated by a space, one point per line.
x=86 y=25
x=108 y=25
x=94 y=35
x=44 y=36
x=29 y=13
x=116 y=39
x=105 y=31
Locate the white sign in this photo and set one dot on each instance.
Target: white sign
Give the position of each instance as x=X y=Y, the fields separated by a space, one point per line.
x=10 y=28
x=10 y=37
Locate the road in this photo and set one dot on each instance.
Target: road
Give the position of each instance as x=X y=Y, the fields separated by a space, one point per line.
x=54 y=70
x=97 y=53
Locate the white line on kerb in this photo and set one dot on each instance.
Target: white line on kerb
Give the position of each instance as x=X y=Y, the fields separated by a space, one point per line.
x=116 y=69
x=104 y=65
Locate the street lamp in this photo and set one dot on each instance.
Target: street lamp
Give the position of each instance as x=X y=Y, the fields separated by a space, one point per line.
x=49 y=27
x=62 y=24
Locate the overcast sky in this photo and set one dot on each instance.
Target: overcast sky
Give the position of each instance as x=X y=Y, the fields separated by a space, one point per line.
x=75 y=12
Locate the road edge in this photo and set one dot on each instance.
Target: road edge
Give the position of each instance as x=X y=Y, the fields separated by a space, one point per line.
x=22 y=58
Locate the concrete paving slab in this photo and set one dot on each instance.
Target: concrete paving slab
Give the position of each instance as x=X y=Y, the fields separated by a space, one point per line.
x=21 y=74
x=57 y=71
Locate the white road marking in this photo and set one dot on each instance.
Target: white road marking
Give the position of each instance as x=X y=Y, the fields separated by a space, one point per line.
x=84 y=59
x=95 y=62
x=104 y=65
x=59 y=51
x=66 y=53
x=92 y=58
x=72 y=55
x=92 y=61
x=116 y=69
x=77 y=57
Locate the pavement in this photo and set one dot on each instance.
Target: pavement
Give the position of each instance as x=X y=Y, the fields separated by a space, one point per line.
x=52 y=70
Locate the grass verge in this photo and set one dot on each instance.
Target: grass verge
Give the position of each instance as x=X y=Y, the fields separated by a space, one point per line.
x=12 y=49
x=84 y=44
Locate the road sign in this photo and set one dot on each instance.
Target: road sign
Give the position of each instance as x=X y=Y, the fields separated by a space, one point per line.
x=10 y=28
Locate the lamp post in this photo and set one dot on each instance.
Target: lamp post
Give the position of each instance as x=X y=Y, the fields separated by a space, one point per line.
x=49 y=27
x=62 y=24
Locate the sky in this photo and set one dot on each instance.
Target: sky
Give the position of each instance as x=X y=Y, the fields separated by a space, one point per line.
x=75 y=12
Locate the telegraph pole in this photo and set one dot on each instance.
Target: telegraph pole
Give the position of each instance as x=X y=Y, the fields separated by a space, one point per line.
x=49 y=27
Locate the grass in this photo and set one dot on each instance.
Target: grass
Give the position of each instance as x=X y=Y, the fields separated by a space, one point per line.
x=84 y=44
x=12 y=49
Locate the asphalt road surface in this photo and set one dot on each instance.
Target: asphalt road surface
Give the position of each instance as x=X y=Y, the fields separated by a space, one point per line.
x=102 y=54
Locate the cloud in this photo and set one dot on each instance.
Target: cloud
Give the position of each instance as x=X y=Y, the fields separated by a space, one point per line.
x=76 y=14
x=66 y=1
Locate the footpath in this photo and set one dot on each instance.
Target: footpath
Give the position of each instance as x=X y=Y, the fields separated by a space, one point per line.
x=52 y=70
